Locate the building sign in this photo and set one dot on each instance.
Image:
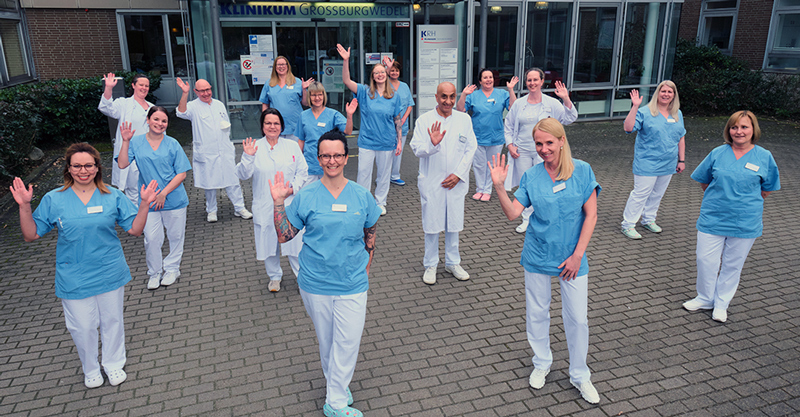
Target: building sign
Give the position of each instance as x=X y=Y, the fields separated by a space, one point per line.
x=437 y=61
x=315 y=10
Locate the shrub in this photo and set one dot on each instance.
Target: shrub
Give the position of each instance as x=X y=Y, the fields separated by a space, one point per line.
x=17 y=134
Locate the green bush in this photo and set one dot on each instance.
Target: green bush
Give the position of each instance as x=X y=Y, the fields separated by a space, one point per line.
x=17 y=134
x=711 y=83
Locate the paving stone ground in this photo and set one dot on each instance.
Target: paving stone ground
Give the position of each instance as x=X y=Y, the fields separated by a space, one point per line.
x=217 y=343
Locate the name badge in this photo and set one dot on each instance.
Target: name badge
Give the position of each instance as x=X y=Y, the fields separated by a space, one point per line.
x=670 y=120
x=559 y=187
x=290 y=87
x=751 y=167
x=339 y=207
x=95 y=209
x=491 y=100
x=321 y=124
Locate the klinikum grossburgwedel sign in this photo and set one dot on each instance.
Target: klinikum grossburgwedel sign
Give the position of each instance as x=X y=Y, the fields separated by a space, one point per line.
x=314 y=10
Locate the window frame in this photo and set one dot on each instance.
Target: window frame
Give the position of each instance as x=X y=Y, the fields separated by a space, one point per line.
x=706 y=13
x=25 y=50
x=770 y=50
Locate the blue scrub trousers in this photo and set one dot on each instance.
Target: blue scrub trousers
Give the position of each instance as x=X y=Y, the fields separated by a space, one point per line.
x=574 y=313
x=716 y=285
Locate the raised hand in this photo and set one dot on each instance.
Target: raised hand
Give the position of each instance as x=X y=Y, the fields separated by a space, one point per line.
x=351 y=107
x=498 y=169
x=21 y=194
x=249 y=146
x=344 y=53
x=636 y=99
x=184 y=86
x=110 y=80
x=511 y=84
x=561 y=91
x=279 y=189
x=149 y=192
x=307 y=82
x=469 y=89
x=388 y=62
x=435 y=134
x=125 y=131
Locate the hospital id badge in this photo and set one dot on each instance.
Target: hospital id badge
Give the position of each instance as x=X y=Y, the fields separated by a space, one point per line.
x=751 y=167
x=491 y=100
x=290 y=87
x=559 y=187
x=321 y=124
x=95 y=209
x=339 y=207
x=670 y=120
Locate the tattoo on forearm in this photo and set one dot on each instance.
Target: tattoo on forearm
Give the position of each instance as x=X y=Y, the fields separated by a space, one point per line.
x=285 y=230
x=369 y=238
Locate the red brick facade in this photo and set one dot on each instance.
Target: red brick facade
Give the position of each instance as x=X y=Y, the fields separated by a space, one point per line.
x=73 y=43
x=752 y=28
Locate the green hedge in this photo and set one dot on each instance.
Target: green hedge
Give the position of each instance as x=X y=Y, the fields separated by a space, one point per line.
x=54 y=113
x=711 y=83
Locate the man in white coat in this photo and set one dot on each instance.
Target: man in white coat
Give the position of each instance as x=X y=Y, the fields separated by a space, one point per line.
x=445 y=144
x=213 y=154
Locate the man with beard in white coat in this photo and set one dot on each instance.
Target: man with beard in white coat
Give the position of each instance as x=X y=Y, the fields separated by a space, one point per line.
x=213 y=154
x=445 y=144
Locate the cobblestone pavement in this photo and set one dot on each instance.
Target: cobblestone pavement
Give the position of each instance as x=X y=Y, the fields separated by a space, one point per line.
x=217 y=343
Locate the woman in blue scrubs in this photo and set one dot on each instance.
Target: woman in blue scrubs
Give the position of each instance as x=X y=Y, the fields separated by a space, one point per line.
x=318 y=120
x=91 y=271
x=563 y=192
x=736 y=178
x=287 y=94
x=486 y=110
x=404 y=92
x=379 y=137
x=340 y=218
x=658 y=153
x=161 y=158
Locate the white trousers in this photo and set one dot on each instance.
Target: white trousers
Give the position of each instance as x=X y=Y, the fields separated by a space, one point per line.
x=273 y=266
x=234 y=193
x=526 y=160
x=644 y=199
x=574 y=306
x=383 y=160
x=398 y=159
x=339 y=322
x=84 y=316
x=716 y=285
x=131 y=185
x=451 y=255
x=175 y=223
x=483 y=178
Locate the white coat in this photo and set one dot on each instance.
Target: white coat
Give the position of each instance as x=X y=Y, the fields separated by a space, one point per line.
x=443 y=209
x=124 y=109
x=286 y=157
x=213 y=154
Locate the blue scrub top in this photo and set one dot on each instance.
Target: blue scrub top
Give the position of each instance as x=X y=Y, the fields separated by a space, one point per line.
x=732 y=203
x=312 y=128
x=377 y=131
x=161 y=165
x=487 y=115
x=557 y=218
x=288 y=100
x=89 y=257
x=656 y=149
x=407 y=100
x=333 y=260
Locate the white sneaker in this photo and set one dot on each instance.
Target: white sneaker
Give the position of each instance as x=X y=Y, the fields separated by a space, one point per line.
x=243 y=213
x=154 y=282
x=170 y=277
x=522 y=227
x=383 y=210
x=457 y=272
x=587 y=391
x=117 y=377
x=720 y=315
x=537 y=377
x=212 y=217
x=430 y=276
x=694 y=304
x=93 y=382
x=274 y=285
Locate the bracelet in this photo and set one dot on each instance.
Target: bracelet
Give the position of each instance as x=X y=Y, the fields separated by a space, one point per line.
x=680 y=162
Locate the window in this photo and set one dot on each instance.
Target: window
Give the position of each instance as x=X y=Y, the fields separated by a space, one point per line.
x=718 y=24
x=642 y=43
x=155 y=42
x=783 y=50
x=15 y=59
x=547 y=40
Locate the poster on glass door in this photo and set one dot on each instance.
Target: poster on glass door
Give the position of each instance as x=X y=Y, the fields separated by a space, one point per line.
x=437 y=62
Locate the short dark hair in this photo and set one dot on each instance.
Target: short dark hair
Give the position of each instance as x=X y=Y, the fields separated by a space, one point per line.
x=155 y=109
x=334 y=135
x=271 y=110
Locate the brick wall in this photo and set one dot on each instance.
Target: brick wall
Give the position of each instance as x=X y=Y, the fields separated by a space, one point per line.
x=690 y=16
x=73 y=43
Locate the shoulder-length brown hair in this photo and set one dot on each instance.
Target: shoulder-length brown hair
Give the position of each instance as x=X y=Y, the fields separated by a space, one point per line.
x=274 y=79
x=83 y=147
x=735 y=119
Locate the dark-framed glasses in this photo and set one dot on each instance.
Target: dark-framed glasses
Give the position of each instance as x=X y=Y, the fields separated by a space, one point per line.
x=339 y=157
x=77 y=167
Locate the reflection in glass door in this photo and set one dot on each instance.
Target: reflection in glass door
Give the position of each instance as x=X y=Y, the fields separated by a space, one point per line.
x=501 y=30
x=594 y=58
x=547 y=40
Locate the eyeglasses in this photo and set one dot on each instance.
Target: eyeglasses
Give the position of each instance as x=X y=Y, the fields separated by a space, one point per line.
x=77 y=167
x=207 y=90
x=339 y=157
x=281 y=65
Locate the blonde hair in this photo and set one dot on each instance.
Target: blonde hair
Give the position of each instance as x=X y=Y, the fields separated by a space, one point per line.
x=388 y=91
x=735 y=119
x=274 y=79
x=316 y=87
x=674 y=105
x=555 y=128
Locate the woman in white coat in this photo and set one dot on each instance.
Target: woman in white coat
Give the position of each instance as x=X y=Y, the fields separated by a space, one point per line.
x=132 y=110
x=261 y=160
x=524 y=114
